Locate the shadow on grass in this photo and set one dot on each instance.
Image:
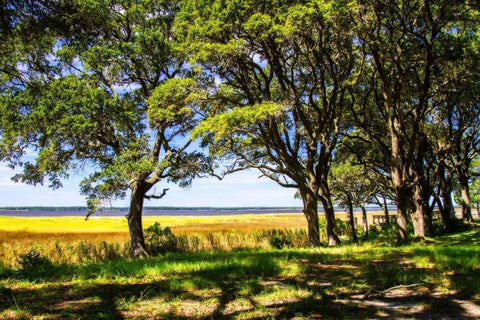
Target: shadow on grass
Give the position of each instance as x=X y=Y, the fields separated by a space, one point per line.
x=303 y=283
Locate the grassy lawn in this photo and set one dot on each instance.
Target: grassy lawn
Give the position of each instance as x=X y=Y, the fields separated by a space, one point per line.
x=434 y=279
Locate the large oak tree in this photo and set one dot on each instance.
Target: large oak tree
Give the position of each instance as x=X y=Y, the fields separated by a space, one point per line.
x=98 y=86
x=283 y=72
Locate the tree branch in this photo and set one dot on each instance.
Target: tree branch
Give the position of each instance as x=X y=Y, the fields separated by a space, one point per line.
x=155 y=196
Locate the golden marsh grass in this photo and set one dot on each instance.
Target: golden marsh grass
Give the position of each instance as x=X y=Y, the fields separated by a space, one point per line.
x=74 y=239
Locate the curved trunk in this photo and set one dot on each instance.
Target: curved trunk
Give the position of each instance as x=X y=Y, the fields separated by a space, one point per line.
x=364 y=220
x=384 y=206
x=333 y=239
x=466 y=203
x=134 y=218
x=310 y=210
x=351 y=219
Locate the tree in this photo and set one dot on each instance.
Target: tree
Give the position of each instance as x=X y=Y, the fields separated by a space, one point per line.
x=356 y=146
x=283 y=72
x=474 y=186
x=461 y=116
x=109 y=95
x=355 y=182
x=345 y=191
x=403 y=42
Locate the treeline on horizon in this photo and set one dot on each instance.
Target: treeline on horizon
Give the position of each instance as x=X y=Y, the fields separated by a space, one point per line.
x=350 y=102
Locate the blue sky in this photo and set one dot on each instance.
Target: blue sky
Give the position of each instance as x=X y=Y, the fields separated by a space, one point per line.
x=242 y=189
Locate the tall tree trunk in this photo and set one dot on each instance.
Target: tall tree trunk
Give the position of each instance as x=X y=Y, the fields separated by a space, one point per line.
x=427 y=194
x=351 y=219
x=403 y=199
x=364 y=220
x=386 y=212
x=383 y=205
x=446 y=208
x=398 y=172
x=428 y=218
x=333 y=239
x=310 y=210
x=466 y=203
x=447 y=211
x=418 y=215
x=134 y=218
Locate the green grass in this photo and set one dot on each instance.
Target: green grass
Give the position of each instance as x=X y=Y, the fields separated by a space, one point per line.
x=422 y=280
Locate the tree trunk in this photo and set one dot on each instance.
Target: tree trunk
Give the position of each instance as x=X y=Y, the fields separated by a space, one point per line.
x=418 y=215
x=399 y=175
x=310 y=210
x=428 y=218
x=447 y=211
x=134 y=218
x=351 y=219
x=403 y=196
x=466 y=203
x=333 y=239
x=384 y=206
x=446 y=208
x=364 y=220
x=386 y=212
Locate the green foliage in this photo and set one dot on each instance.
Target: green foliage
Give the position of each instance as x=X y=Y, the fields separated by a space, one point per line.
x=160 y=240
x=342 y=228
x=283 y=73
x=351 y=182
x=226 y=124
x=280 y=239
x=171 y=101
x=81 y=95
x=33 y=262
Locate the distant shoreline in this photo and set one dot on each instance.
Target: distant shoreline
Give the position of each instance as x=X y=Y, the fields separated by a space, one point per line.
x=21 y=208
x=155 y=211
x=69 y=212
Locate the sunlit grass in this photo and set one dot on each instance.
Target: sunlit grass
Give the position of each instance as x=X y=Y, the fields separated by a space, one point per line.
x=288 y=283
x=76 y=240
x=236 y=280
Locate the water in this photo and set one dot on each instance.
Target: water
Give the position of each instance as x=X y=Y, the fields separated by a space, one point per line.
x=82 y=212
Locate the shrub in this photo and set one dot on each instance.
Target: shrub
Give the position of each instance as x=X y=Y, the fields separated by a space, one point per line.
x=277 y=238
x=342 y=228
x=160 y=240
x=33 y=261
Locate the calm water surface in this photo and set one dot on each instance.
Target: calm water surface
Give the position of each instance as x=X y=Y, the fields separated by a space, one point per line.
x=146 y=212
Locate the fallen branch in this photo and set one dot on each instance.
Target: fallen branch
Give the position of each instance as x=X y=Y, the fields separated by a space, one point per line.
x=402 y=286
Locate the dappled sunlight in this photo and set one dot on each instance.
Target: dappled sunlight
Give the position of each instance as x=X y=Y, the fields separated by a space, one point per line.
x=415 y=281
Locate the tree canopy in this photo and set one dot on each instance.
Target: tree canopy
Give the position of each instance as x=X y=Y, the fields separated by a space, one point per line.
x=124 y=88
x=103 y=96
